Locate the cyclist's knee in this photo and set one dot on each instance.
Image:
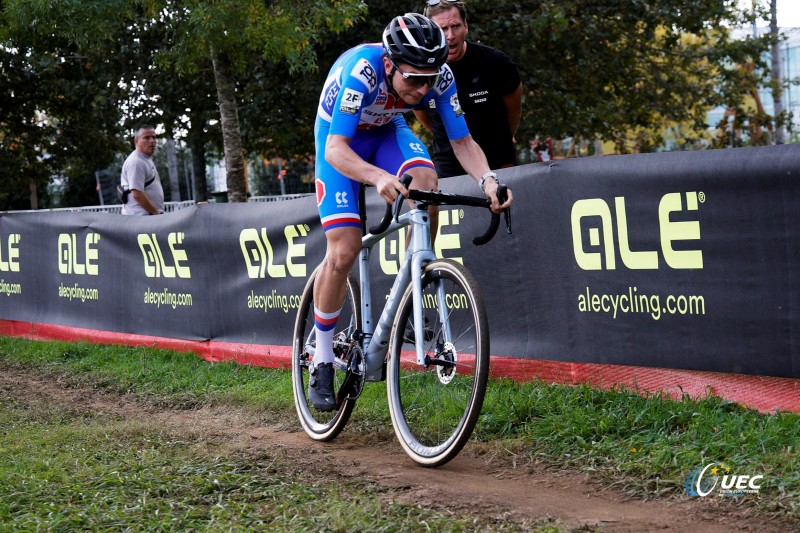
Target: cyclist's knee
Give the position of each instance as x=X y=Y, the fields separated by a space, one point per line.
x=425 y=179
x=343 y=247
x=340 y=260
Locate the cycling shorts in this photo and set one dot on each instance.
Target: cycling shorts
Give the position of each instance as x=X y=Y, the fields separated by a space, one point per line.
x=392 y=147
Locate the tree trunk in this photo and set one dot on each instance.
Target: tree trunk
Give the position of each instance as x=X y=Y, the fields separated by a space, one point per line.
x=199 y=169
x=197 y=144
x=231 y=133
x=172 y=170
x=777 y=77
x=34 y=194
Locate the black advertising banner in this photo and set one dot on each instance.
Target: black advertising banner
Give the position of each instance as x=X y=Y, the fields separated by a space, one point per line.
x=677 y=260
x=685 y=260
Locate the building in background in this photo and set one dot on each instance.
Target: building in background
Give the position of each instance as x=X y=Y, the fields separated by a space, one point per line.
x=790 y=98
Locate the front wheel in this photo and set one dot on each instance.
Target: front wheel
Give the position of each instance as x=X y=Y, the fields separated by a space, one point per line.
x=435 y=405
x=325 y=426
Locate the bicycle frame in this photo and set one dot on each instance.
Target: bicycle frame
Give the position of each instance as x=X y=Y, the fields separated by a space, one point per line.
x=376 y=337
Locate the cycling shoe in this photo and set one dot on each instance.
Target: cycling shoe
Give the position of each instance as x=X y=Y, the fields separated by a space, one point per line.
x=320 y=387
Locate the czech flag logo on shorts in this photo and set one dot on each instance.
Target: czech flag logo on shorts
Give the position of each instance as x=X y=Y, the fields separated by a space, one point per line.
x=320 y=187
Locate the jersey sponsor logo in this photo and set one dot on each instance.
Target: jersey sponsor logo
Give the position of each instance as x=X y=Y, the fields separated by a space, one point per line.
x=476 y=97
x=351 y=101
x=381 y=99
x=456 y=105
x=446 y=79
x=341 y=199
x=364 y=72
x=330 y=97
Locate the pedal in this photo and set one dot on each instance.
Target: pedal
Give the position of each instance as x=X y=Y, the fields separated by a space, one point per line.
x=353 y=383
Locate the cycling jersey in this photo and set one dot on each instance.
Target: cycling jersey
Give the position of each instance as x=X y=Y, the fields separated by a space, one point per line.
x=356 y=103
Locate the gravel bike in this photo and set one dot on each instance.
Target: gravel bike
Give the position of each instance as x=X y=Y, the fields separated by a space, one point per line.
x=433 y=326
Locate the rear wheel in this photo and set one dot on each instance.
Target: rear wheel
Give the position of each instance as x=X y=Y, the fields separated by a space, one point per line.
x=325 y=426
x=435 y=406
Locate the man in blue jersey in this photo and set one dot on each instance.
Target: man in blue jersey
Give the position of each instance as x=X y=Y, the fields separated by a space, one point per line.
x=362 y=138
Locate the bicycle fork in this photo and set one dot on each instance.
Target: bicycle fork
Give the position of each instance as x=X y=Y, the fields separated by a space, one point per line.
x=376 y=342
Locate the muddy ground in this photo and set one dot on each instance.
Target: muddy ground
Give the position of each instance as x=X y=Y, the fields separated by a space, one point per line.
x=483 y=480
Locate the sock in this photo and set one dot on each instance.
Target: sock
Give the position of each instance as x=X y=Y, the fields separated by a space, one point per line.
x=324 y=324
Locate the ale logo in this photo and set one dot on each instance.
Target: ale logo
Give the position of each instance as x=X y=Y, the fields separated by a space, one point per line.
x=74 y=258
x=9 y=253
x=169 y=263
x=259 y=256
x=670 y=232
x=392 y=249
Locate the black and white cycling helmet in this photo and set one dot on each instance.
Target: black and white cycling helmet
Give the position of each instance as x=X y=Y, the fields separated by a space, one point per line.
x=415 y=40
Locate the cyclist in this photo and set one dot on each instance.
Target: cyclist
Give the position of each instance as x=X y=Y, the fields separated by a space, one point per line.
x=362 y=138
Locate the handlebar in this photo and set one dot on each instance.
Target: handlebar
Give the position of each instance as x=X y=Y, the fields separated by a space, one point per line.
x=440 y=198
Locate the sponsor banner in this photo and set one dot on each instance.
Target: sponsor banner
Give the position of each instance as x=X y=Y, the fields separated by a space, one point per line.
x=682 y=260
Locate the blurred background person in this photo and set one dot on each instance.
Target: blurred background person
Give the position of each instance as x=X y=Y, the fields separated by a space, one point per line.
x=489 y=91
x=140 y=186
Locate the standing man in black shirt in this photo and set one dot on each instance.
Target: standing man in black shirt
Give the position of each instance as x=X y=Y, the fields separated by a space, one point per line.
x=489 y=90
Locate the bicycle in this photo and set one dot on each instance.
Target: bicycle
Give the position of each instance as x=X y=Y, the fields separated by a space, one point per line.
x=437 y=373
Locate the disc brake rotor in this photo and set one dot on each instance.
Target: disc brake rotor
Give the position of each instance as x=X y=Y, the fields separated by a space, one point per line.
x=446 y=373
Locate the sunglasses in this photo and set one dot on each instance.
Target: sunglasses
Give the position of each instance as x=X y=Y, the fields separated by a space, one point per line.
x=416 y=79
x=432 y=3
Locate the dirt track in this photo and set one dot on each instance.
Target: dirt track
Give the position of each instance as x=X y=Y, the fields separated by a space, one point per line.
x=472 y=483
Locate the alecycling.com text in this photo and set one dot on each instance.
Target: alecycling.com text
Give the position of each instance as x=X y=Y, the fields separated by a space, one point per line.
x=76 y=292
x=634 y=302
x=273 y=300
x=10 y=288
x=167 y=298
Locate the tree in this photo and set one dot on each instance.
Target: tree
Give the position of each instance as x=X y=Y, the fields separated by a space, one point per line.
x=599 y=69
x=233 y=33
x=60 y=113
x=230 y=34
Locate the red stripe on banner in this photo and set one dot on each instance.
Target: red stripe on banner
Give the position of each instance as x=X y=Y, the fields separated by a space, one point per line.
x=764 y=393
x=271 y=356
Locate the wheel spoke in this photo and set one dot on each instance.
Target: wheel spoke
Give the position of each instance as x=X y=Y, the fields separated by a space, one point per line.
x=435 y=408
x=317 y=424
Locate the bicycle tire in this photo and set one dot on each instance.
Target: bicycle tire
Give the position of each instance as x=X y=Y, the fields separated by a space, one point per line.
x=322 y=426
x=434 y=408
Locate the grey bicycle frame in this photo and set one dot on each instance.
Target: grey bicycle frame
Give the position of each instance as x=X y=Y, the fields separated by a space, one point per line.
x=419 y=253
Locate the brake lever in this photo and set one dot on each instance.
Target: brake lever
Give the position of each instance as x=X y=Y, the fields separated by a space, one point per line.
x=405 y=179
x=502 y=196
x=392 y=210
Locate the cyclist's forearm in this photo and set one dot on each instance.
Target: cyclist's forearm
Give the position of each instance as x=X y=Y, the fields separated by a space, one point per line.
x=471 y=157
x=341 y=157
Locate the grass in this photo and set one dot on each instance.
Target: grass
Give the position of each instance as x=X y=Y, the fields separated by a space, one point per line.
x=65 y=470
x=645 y=445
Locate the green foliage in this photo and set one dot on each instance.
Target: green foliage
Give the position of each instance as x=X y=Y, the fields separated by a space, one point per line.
x=600 y=69
x=80 y=73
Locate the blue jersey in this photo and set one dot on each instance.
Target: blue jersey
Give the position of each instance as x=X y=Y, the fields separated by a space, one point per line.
x=356 y=96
